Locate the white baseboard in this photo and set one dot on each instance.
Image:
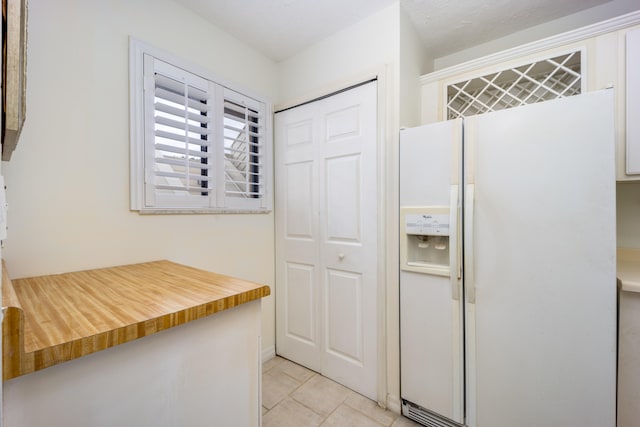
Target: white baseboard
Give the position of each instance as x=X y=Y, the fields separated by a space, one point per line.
x=268 y=353
x=393 y=404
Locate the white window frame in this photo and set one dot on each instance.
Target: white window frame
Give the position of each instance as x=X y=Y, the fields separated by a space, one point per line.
x=141 y=140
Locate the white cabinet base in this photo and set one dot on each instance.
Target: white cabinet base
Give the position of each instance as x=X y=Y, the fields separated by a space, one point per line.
x=203 y=373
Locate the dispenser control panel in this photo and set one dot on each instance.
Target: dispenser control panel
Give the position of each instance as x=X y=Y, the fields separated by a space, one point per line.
x=427 y=224
x=425 y=239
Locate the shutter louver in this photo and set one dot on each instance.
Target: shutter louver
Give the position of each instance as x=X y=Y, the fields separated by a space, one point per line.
x=182 y=132
x=243 y=151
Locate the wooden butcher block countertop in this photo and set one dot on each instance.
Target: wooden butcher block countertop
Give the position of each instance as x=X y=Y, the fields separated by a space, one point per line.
x=56 y=318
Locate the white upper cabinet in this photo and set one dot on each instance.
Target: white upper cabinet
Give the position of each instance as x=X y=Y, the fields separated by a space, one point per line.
x=633 y=101
x=587 y=59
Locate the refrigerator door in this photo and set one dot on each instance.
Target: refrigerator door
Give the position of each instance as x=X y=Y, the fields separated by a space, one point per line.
x=431 y=304
x=540 y=272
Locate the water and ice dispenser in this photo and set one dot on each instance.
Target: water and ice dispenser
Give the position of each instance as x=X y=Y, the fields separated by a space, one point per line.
x=424 y=245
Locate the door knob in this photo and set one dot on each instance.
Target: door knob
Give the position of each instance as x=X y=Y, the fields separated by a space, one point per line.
x=340 y=256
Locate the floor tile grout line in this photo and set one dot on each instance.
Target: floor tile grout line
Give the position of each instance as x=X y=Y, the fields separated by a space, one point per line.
x=311 y=409
x=305 y=381
x=367 y=415
x=289 y=395
x=342 y=402
x=350 y=407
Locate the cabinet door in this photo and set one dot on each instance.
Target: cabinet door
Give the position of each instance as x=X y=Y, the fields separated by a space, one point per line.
x=633 y=102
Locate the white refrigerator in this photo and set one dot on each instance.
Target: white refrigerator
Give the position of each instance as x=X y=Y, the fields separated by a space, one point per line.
x=507 y=275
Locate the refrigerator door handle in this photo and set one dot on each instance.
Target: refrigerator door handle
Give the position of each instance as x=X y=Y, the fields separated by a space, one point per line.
x=454 y=258
x=469 y=270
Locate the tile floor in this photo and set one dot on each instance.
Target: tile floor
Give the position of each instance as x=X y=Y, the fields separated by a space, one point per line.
x=294 y=396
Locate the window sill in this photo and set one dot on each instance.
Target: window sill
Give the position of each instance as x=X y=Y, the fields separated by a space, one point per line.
x=199 y=211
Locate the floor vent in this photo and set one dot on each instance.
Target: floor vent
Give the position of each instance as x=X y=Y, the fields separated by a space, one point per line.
x=425 y=417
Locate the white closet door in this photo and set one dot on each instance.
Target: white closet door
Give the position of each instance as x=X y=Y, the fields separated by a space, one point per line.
x=297 y=236
x=326 y=237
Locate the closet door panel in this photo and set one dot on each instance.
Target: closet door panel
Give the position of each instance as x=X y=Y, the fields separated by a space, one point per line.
x=326 y=237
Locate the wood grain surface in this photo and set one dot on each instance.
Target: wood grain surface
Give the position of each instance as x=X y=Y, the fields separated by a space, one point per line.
x=56 y=318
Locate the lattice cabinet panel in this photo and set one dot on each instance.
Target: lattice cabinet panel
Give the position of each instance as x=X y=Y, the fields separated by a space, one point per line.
x=538 y=81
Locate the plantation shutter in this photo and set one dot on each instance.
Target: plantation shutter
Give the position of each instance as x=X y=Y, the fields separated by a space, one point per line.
x=244 y=151
x=205 y=147
x=179 y=147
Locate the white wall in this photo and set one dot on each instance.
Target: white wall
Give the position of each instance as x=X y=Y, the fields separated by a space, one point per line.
x=586 y=17
x=68 y=179
x=414 y=62
x=352 y=52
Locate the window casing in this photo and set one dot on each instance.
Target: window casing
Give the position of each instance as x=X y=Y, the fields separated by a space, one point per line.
x=196 y=145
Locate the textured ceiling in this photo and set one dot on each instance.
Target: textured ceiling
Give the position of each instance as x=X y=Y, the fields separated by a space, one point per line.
x=281 y=28
x=448 y=26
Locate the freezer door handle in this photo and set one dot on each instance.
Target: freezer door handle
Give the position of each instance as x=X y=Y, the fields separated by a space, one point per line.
x=454 y=257
x=469 y=267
